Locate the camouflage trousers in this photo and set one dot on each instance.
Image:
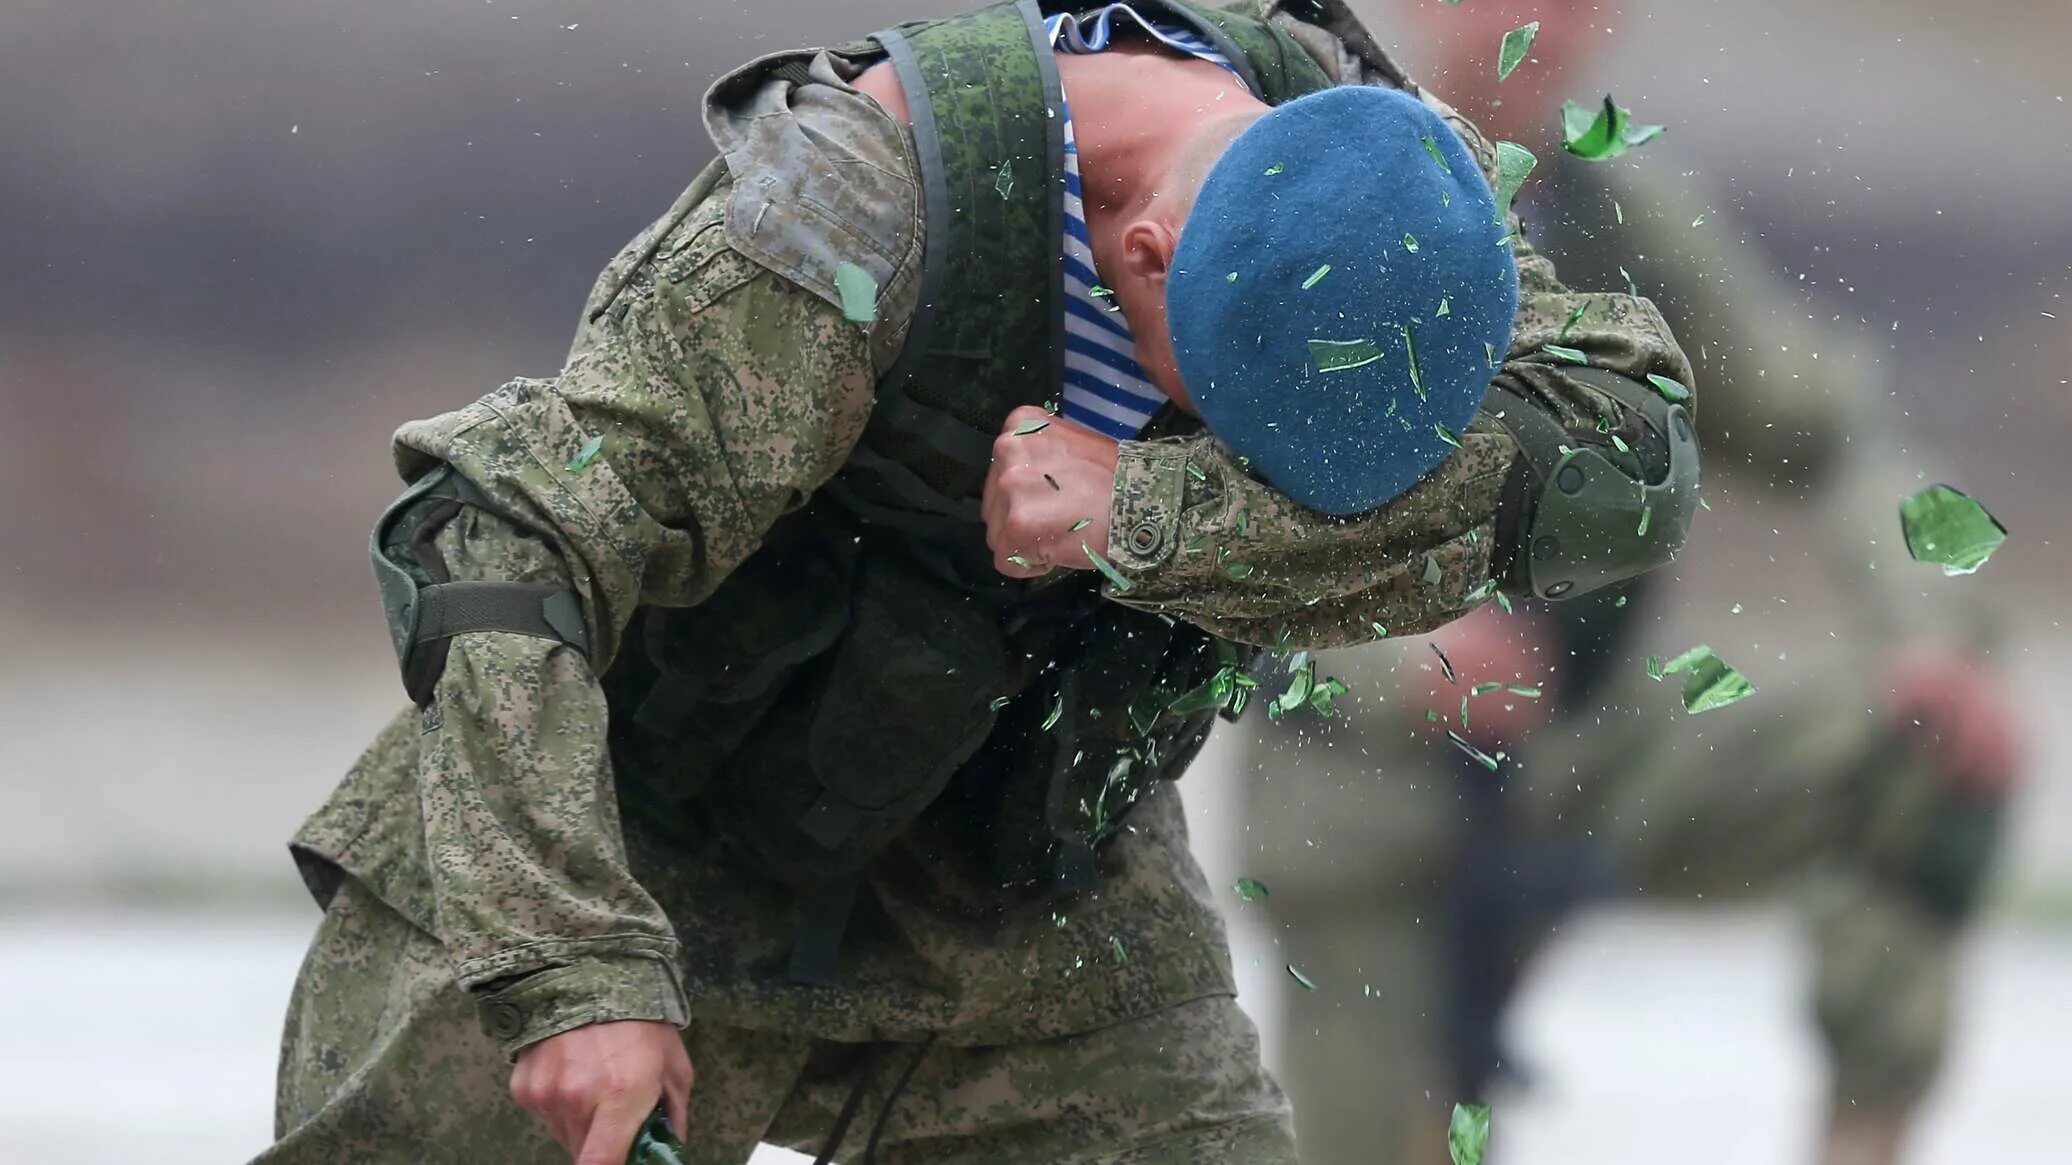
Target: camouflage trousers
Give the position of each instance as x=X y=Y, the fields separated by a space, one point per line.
x=383 y=1060
x=1363 y=831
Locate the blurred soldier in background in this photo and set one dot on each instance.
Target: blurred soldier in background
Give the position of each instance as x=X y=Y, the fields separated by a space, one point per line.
x=1412 y=885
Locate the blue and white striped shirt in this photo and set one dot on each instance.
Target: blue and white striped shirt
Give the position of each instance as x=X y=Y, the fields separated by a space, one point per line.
x=1106 y=390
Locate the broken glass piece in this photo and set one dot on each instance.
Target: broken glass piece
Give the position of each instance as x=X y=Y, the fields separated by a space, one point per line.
x=656 y=1145
x=1514 y=164
x=1301 y=978
x=1445 y=308
x=1000 y=702
x=1431 y=146
x=1230 y=278
x=1316 y=277
x=1698 y=222
x=1468 y=1135
x=1946 y=527
x=859 y=293
x=1115 y=577
x=1081 y=524
x=1004 y=183
x=588 y=453
x=1239 y=571
x=1606 y=132
x=1122 y=954
x=1276 y=168
x=1619 y=213
x=1322 y=700
x=1057 y=709
x=1525 y=690
x=1654 y=666
x=1517 y=43
x=1573 y=316
x=1432 y=573
x=1570 y=355
x=1018 y=560
x=1197 y=472
x=1647 y=514
x=1028 y=427
x=1431 y=717
x=1250 y=889
x=1712 y=684
x=1620 y=601
x=1484 y=688
x=1380 y=632
x=1475 y=754
x=1410 y=347
x=1410 y=243
x=1339 y=355
x=1671 y=391
x=1300 y=685
x=1631 y=289
x=1446 y=434
x=1445 y=664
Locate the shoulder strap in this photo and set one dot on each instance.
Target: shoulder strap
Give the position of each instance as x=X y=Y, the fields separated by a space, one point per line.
x=1269 y=60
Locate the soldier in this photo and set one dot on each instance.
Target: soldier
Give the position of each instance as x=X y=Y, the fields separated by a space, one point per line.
x=1411 y=884
x=795 y=695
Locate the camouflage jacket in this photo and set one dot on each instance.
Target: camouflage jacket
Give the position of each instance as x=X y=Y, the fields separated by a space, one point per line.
x=726 y=387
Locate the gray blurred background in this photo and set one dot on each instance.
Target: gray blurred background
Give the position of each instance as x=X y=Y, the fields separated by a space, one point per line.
x=242 y=240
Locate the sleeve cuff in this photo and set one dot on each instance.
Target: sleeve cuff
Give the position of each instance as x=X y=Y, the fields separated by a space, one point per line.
x=1144 y=510
x=558 y=999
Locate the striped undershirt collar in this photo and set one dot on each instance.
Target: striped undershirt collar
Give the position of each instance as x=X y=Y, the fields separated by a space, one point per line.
x=1105 y=388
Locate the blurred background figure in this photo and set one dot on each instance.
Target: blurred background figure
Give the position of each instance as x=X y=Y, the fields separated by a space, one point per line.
x=1397 y=862
x=240 y=240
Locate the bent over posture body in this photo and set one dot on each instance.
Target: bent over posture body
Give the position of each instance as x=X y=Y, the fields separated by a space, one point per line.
x=796 y=693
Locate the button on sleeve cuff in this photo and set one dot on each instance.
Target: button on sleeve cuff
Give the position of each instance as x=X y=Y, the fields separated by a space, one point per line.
x=556 y=1000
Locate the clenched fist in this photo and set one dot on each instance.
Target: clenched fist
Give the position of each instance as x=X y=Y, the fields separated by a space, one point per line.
x=596 y=1085
x=1047 y=494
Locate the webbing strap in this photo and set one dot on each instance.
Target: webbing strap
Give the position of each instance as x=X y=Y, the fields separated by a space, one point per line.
x=541 y=610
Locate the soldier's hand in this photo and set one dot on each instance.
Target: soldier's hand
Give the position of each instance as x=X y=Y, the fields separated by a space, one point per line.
x=1960 y=712
x=596 y=1085
x=1047 y=478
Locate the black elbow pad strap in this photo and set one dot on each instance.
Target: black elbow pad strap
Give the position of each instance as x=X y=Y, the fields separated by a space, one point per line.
x=426 y=609
x=1579 y=513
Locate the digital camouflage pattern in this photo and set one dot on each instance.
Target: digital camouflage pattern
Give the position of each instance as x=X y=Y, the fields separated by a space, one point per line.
x=1357 y=824
x=727 y=388
x=384 y=1064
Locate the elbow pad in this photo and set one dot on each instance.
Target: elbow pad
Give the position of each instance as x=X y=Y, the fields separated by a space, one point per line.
x=1579 y=512
x=426 y=608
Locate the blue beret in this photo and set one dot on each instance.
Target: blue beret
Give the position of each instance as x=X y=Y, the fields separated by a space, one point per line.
x=1337 y=292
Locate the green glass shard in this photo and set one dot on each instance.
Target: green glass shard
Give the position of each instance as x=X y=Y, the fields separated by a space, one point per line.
x=1115 y=577
x=1432 y=573
x=1240 y=570
x=1196 y=544
x=1517 y=43
x=1300 y=978
x=1631 y=287
x=1000 y=702
x=1573 y=318
x=1503 y=600
x=1712 y=684
x=1197 y=472
x=858 y=290
x=1122 y=953
x=1431 y=717
x=1647 y=514
x=1003 y=183
x=1276 y=168
x=1018 y=560
x=1654 y=666
x=1671 y=391
x=1948 y=528
x=1230 y=278
x=1445 y=308
x=1380 y=632
x=1300 y=685
x=1445 y=664
x=1431 y=145
x=1620 y=601
x=1081 y=524
x=656 y=1145
x=1322 y=700
x=1057 y=709
x=1339 y=355
x=1525 y=690
x=1468 y=1135
x=1489 y=355
x=1410 y=349
x=1410 y=243
x=1687 y=660
x=1028 y=427
x=1244 y=518
x=1446 y=434
x=1484 y=688
x=587 y=454
x=1514 y=164
x=1605 y=132
x=1569 y=355
x=1475 y=754
x=1619 y=213
x=1316 y=277
x=1250 y=889
x=1100 y=292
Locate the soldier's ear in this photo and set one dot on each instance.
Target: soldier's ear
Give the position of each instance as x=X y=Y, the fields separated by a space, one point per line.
x=1147 y=252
